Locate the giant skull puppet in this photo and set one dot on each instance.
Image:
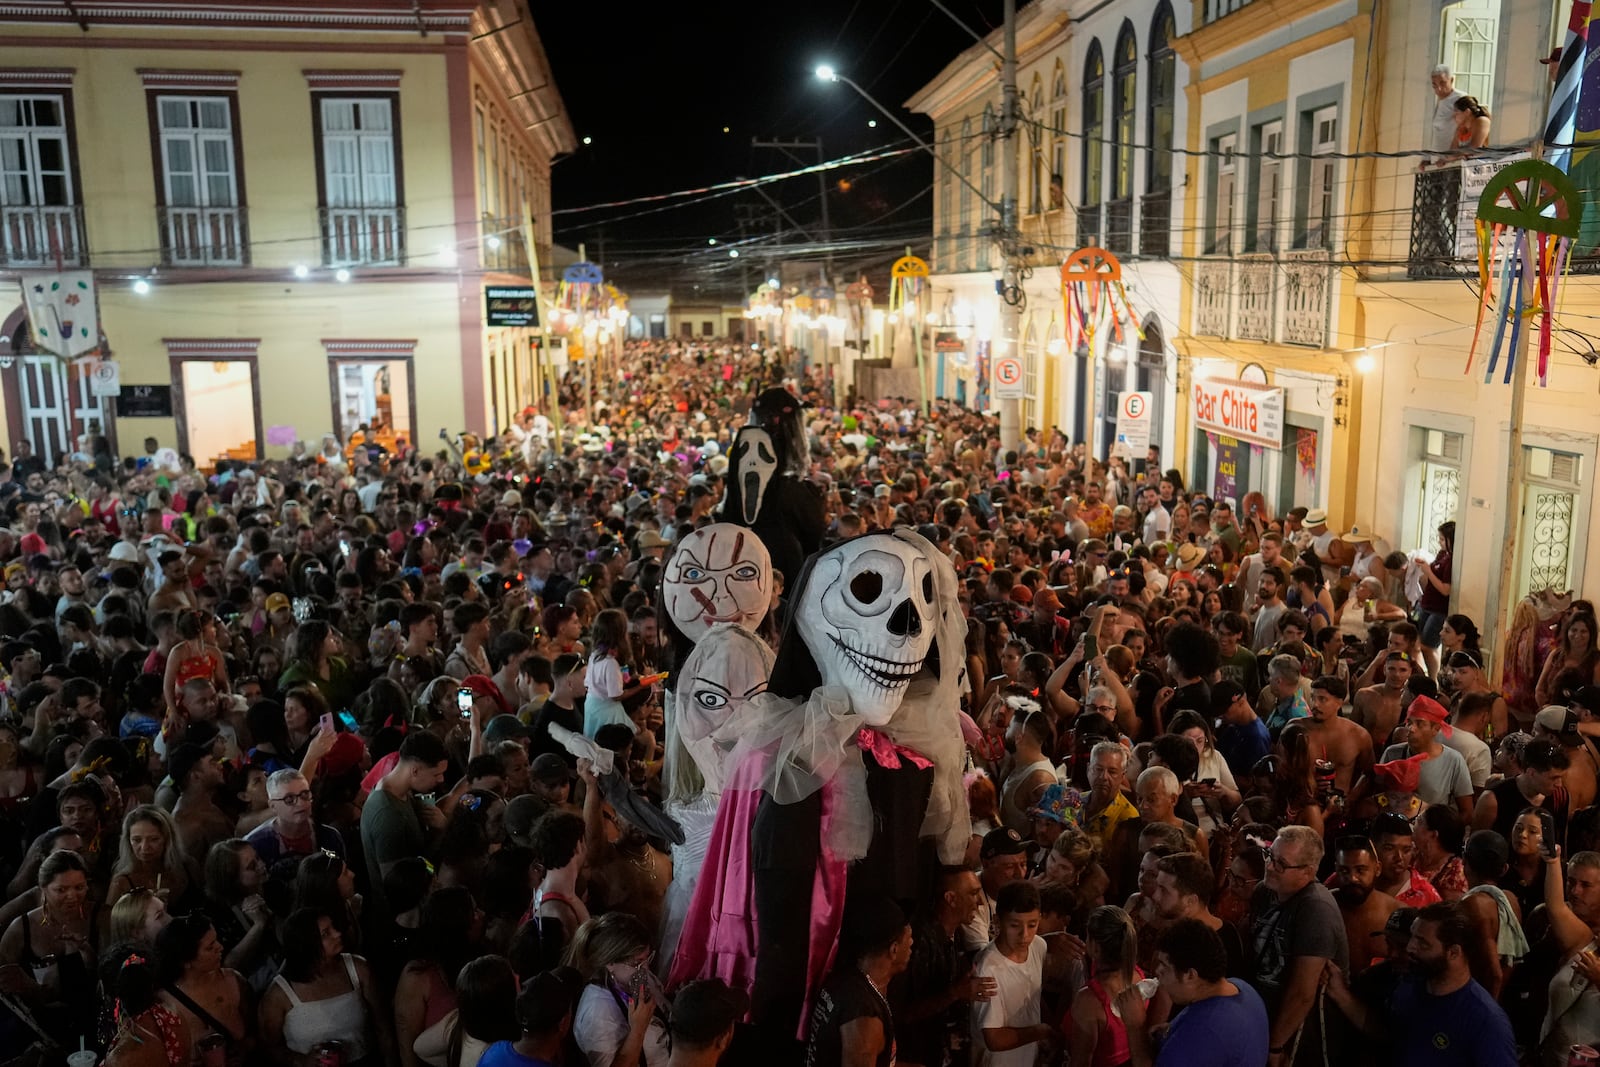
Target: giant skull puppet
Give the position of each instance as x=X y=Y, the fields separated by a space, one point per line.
x=848 y=780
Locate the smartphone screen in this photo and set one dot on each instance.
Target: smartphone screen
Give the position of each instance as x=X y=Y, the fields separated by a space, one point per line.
x=349 y=721
x=326 y=723
x=464 y=701
x=1547 y=834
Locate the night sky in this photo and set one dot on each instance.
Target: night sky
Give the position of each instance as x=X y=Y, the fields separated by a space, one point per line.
x=654 y=86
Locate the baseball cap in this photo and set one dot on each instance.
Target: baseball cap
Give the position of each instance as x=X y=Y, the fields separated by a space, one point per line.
x=185 y=758
x=521 y=813
x=703 y=1011
x=123 y=552
x=1022 y=594
x=549 y=769
x=881 y=492
x=277 y=602
x=1588 y=698
x=1002 y=842
x=1563 y=722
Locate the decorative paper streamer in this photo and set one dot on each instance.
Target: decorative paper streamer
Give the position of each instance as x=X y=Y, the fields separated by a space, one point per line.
x=1093 y=299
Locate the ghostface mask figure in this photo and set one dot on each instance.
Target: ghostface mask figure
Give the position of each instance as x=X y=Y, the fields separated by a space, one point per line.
x=754 y=463
x=867 y=616
x=718 y=573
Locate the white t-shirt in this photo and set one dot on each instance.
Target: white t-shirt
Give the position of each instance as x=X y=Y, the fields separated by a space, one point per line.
x=1157 y=525
x=1015 y=1003
x=1480 y=762
x=1444 y=777
x=1442 y=133
x=600 y=1026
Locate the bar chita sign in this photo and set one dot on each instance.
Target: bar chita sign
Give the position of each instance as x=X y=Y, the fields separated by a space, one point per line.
x=1252 y=413
x=510 y=305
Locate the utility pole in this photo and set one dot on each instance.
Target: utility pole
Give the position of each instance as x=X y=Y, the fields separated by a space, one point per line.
x=1010 y=244
x=789 y=148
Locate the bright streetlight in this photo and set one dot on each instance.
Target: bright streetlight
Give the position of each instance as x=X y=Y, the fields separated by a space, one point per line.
x=827 y=73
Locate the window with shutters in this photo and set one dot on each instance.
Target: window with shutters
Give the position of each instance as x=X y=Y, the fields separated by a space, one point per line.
x=1315 y=229
x=201 y=214
x=1551 y=494
x=38 y=190
x=1223 y=207
x=1266 y=187
x=363 y=207
x=1469 y=33
x=1058 y=138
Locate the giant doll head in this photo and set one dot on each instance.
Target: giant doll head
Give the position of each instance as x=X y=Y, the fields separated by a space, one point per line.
x=713 y=706
x=866 y=610
x=718 y=573
x=752 y=465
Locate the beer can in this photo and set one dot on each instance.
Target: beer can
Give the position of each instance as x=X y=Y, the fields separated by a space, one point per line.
x=1583 y=1056
x=329 y=1053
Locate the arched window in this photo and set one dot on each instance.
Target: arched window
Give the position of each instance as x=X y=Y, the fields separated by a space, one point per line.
x=947 y=215
x=1160 y=117
x=986 y=150
x=1125 y=84
x=1058 y=139
x=965 y=148
x=1035 y=147
x=1094 y=131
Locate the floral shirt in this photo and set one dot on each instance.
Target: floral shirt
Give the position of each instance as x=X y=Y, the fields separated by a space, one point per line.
x=1102 y=825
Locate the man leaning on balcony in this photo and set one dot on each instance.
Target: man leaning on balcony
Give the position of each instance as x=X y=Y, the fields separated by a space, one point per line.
x=1442 y=129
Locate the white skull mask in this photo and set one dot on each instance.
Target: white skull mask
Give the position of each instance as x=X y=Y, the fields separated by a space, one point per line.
x=867 y=616
x=755 y=464
x=726 y=670
x=718 y=573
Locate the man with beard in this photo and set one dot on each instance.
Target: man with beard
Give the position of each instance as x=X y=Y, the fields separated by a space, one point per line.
x=1365 y=909
x=1438 y=1014
x=1184 y=888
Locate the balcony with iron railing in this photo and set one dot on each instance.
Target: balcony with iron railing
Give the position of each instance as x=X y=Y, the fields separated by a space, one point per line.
x=1444 y=209
x=42 y=235
x=203 y=236
x=1119 y=226
x=1155 y=225
x=1091 y=225
x=363 y=236
x=1281 y=297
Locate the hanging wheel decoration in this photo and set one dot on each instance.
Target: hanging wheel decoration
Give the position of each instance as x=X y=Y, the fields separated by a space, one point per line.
x=1093 y=298
x=1527 y=220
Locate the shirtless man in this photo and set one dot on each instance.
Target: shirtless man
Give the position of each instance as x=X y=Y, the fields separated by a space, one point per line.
x=1377 y=707
x=1339 y=741
x=1365 y=908
x=196 y=774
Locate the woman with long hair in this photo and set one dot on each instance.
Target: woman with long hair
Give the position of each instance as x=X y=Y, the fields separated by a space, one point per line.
x=451 y=928
x=486 y=992
x=235 y=878
x=149 y=856
x=1294 y=783
x=616 y=1023
x=324 y=994
x=1213 y=782
x=1440 y=833
x=474 y=832
x=1459 y=633
x=1575 y=651
x=1098 y=1037
x=327 y=884
x=315 y=661
x=609 y=677
x=196 y=987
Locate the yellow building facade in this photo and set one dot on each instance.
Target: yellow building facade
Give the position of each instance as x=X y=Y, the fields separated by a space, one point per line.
x=292 y=221
x=1268 y=394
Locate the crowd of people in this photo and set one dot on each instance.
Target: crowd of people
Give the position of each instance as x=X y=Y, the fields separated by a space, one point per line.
x=310 y=761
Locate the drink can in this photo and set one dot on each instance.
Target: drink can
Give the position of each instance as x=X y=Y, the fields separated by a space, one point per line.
x=329 y=1053
x=1583 y=1056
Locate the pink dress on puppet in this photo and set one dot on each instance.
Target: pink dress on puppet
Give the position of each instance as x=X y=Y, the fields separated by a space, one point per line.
x=719 y=937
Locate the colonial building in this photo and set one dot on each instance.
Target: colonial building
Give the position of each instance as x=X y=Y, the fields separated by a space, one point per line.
x=1102 y=113
x=1436 y=443
x=291 y=214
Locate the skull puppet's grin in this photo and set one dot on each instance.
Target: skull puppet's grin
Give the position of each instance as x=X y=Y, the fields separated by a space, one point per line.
x=886 y=673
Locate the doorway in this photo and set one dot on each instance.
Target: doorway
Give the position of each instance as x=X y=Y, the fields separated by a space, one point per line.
x=217 y=409
x=376 y=394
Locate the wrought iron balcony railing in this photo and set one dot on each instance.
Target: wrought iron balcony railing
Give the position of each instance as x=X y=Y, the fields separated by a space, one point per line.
x=204 y=237
x=363 y=236
x=48 y=235
x=1155 y=225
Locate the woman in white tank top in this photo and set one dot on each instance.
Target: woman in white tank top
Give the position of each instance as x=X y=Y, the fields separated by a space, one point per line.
x=324 y=994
